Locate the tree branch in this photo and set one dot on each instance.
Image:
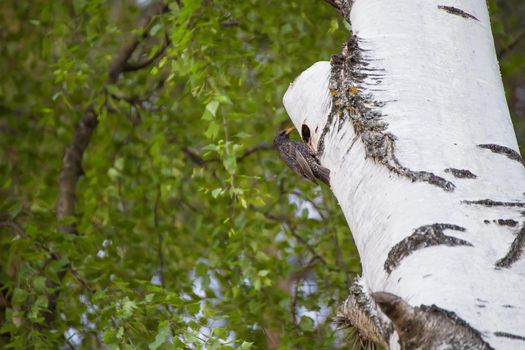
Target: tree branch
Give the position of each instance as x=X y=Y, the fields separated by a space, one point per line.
x=257 y=148
x=124 y=53
x=134 y=66
x=508 y=48
x=72 y=168
x=195 y=156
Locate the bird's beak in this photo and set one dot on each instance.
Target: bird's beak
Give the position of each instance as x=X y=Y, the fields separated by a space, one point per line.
x=288 y=131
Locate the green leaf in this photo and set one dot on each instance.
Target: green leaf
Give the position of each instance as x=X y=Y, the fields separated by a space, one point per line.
x=245 y=345
x=230 y=164
x=155 y=29
x=19 y=296
x=263 y=273
x=127 y=308
x=306 y=324
x=39 y=283
x=216 y=192
x=212 y=107
x=334 y=25
x=212 y=131
x=160 y=338
x=14 y=210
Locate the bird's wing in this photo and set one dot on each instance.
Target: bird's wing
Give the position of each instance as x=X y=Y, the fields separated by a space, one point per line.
x=304 y=167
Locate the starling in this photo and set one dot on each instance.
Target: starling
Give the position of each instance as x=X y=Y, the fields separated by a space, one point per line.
x=300 y=157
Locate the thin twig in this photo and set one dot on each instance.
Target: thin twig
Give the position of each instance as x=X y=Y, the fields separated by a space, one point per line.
x=195 y=156
x=135 y=66
x=160 y=237
x=306 y=244
x=293 y=305
x=257 y=148
x=508 y=48
x=124 y=54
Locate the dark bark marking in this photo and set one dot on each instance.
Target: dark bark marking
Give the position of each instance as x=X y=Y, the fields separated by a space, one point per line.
x=455 y=11
x=507 y=306
x=508 y=335
x=351 y=105
x=515 y=251
x=481 y=306
x=423 y=237
x=506 y=151
x=492 y=203
x=428 y=327
x=506 y=222
x=343 y=6
x=486 y=221
x=461 y=173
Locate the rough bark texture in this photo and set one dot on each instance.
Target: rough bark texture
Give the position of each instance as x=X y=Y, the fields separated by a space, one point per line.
x=428 y=327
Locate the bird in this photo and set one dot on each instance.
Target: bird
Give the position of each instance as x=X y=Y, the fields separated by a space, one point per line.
x=300 y=157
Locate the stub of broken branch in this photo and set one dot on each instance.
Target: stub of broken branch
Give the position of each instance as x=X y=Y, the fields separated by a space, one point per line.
x=428 y=327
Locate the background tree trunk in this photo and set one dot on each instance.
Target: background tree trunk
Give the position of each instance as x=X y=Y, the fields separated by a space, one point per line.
x=411 y=120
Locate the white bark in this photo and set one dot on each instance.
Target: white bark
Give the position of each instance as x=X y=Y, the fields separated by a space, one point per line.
x=433 y=78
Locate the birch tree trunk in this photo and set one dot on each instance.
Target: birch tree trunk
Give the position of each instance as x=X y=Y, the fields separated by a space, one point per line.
x=411 y=120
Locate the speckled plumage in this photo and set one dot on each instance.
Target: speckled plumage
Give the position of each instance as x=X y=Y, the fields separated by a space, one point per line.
x=301 y=158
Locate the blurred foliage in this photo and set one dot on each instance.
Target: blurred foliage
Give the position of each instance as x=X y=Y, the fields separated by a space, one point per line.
x=508 y=27
x=191 y=232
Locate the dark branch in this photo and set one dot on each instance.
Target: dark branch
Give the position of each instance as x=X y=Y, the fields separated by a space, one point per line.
x=134 y=66
x=125 y=52
x=257 y=148
x=507 y=49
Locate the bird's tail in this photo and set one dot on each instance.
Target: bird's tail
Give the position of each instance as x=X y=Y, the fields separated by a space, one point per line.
x=323 y=174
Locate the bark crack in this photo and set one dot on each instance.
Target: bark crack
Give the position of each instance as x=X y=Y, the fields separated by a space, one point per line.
x=423 y=237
